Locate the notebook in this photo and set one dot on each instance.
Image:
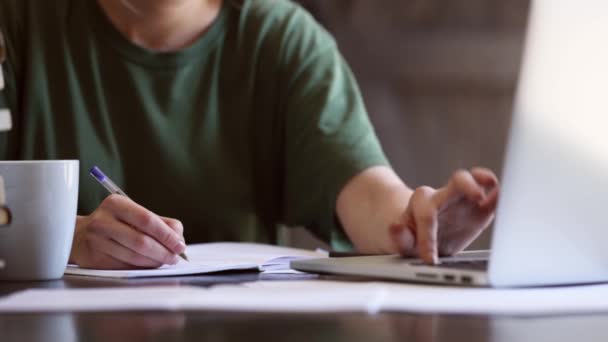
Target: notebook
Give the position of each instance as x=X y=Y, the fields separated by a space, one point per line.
x=216 y=257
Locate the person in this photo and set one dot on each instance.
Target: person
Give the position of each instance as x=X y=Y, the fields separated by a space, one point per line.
x=221 y=120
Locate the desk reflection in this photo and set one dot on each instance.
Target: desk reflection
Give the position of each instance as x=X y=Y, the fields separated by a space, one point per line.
x=230 y=326
x=581 y=328
x=131 y=327
x=42 y=327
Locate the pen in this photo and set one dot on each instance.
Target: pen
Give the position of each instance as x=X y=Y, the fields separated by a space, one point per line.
x=114 y=189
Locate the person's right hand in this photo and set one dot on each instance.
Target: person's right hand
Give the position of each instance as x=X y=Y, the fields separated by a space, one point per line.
x=121 y=234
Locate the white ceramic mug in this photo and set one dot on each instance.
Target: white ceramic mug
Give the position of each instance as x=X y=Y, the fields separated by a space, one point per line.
x=41 y=197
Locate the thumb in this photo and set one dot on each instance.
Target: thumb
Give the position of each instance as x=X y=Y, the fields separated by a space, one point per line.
x=403 y=239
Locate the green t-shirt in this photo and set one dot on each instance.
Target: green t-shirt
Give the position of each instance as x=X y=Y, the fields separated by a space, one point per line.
x=258 y=123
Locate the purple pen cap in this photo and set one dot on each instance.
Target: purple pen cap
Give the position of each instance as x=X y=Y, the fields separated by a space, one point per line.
x=97 y=173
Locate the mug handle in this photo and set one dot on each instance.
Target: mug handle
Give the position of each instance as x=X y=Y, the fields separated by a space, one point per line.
x=5 y=212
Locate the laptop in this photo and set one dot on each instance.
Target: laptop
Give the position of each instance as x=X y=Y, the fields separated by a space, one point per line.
x=551 y=224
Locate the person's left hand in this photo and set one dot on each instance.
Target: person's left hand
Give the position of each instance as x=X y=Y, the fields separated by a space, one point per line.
x=446 y=220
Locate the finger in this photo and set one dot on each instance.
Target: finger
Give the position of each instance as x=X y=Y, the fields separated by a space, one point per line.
x=120 y=253
x=98 y=259
x=105 y=262
x=484 y=177
x=491 y=201
x=489 y=181
x=174 y=224
x=133 y=239
x=403 y=239
x=461 y=184
x=425 y=212
x=145 y=221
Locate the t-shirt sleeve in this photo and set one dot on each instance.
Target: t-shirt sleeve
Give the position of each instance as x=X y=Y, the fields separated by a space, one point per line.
x=329 y=137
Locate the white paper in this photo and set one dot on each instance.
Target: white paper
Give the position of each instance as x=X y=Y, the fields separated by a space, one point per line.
x=287 y=296
x=521 y=301
x=318 y=296
x=297 y=297
x=214 y=257
x=122 y=298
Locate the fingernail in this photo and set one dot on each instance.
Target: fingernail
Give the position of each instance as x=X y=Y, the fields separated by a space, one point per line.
x=181 y=246
x=435 y=259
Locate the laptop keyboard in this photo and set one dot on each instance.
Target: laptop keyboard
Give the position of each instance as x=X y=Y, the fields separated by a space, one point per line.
x=473 y=265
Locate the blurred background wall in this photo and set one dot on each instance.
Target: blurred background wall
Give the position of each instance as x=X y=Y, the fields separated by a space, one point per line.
x=438 y=78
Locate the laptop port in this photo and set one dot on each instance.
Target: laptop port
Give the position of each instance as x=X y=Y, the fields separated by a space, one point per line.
x=426 y=275
x=449 y=277
x=466 y=280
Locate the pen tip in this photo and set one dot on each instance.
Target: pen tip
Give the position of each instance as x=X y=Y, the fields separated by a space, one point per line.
x=183 y=255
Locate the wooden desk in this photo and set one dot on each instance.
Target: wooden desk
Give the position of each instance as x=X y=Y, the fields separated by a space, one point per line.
x=230 y=326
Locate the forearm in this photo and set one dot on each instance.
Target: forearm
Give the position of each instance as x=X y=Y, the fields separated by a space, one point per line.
x=368 y=205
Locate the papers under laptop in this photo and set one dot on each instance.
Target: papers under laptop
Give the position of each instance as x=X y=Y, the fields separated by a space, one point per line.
x=216 y=257
x=551 y=218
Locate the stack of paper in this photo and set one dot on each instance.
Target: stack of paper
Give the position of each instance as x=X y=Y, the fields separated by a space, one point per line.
x=215 y=257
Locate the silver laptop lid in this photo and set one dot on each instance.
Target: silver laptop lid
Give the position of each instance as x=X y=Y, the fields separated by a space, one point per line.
x=552 y=219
